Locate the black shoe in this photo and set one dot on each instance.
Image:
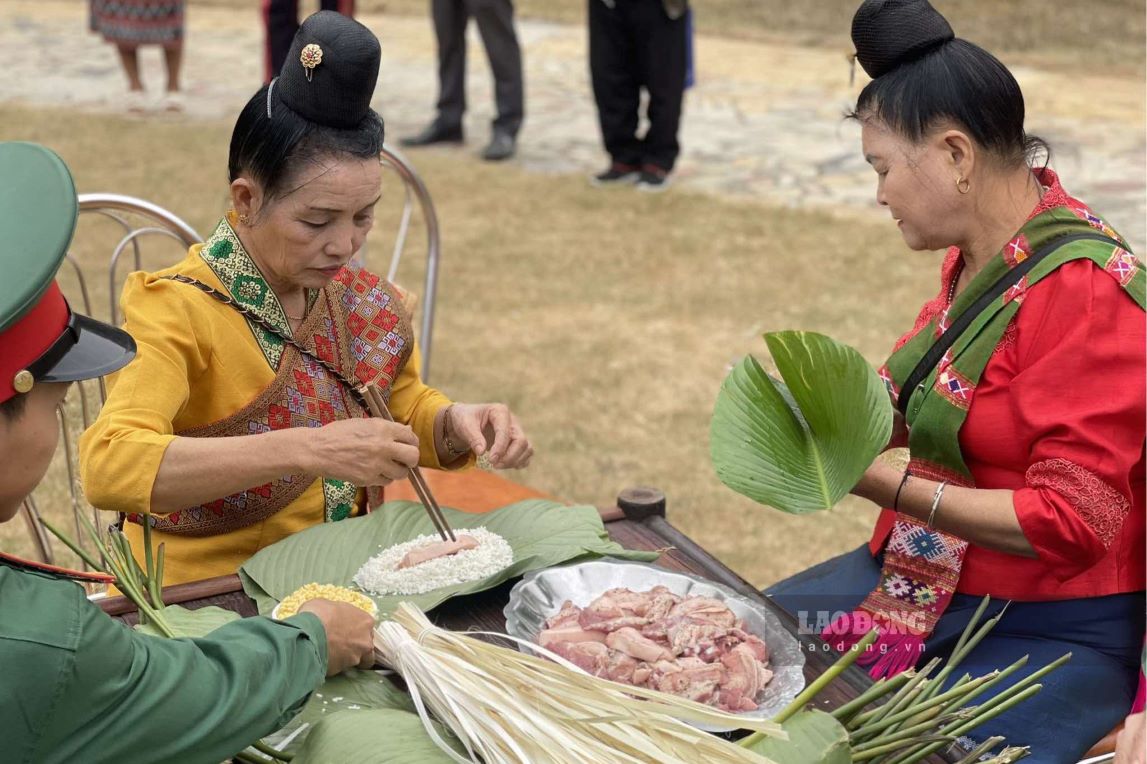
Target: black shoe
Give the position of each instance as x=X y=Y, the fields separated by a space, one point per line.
x=653 y=178
x=434 y=133
x=617 y=174
x=502 y=146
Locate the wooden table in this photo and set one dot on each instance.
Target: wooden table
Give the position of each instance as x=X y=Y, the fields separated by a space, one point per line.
x=637 y=521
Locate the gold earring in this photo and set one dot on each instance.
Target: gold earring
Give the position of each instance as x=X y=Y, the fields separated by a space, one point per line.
x=963 y=185
x=244 y=219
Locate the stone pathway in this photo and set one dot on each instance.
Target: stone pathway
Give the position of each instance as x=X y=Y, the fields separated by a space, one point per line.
x=764 y=121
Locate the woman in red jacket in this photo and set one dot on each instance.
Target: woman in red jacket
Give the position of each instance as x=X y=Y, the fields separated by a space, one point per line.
x=1026 y=435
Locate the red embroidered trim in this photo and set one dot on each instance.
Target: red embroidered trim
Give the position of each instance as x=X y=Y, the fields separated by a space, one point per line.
x=1008 y=340
x=932 y=471
x=1094 y=500
x=1055 y=196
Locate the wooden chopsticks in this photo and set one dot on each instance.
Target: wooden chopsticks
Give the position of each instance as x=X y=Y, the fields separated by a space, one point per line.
x=378 y=408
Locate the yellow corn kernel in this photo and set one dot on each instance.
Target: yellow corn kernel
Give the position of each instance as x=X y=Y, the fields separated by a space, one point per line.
x=293 y=601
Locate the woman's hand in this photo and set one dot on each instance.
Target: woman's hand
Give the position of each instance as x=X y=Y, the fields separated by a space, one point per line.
x=492 y=429
x=365 y=452
x=879 y=483
x=1129 y=745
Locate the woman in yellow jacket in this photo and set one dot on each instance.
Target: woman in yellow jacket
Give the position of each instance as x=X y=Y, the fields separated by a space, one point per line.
x=238 y=423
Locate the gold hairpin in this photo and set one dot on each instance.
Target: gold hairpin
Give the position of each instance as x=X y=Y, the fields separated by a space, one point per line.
x=311 y=57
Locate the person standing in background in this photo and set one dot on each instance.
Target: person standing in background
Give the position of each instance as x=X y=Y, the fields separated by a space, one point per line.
x=128 y=24
x=495 y=19
x=281 y=19
x=635 y=44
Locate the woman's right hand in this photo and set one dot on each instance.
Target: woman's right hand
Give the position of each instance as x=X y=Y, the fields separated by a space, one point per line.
x=365 y=452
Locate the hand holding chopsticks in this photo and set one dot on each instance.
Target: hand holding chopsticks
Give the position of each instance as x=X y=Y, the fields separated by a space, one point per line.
x=378 y=408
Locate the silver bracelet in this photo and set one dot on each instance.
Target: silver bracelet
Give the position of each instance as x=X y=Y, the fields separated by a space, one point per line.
x=936 y=503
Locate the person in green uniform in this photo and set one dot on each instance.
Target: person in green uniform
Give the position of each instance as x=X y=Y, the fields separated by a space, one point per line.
x=75 y=685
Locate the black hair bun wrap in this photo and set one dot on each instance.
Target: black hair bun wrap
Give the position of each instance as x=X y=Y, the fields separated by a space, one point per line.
x=888 y=33
x=330 y=73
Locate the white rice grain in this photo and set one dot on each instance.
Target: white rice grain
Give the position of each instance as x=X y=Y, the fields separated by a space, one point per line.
x=381 y=575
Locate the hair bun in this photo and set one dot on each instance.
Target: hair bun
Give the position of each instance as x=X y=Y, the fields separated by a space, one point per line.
x=888 y=33
x=330 y=73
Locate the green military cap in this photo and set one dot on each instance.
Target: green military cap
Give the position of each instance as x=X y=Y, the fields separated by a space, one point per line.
x=40 y=338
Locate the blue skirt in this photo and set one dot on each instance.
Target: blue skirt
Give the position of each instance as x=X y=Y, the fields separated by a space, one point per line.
x=1080 y=702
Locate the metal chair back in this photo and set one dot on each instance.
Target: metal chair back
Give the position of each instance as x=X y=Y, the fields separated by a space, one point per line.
x=416 y=194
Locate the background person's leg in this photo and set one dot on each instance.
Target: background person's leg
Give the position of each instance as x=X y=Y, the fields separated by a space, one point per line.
x=450 y=18
x=664 y=59
x=173 y=61
x=129 y=59
x=281 y=18
x=616 y=86
x=495 y=20
x=345 y=7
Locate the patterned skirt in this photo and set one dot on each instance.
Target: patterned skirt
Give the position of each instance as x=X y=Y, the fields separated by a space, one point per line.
x=138 y=22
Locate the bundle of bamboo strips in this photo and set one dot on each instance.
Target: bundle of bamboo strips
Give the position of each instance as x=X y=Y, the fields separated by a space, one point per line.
x=508 y=707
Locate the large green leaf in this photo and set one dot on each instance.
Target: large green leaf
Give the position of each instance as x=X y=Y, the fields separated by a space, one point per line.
x=808 y=457
x=354 y=691
x=383 y=736
x=814 y=738
x=541 y=533
x=191 y=623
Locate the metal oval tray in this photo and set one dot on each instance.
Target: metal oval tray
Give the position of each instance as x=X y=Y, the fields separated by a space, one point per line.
x=540 y=594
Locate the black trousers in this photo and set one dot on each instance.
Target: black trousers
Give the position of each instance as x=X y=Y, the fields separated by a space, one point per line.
x=495 y=19
x=281 y=18
x=635 y=45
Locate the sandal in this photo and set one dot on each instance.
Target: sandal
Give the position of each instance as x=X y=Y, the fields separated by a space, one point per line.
x=135 y=102
x=172 y=102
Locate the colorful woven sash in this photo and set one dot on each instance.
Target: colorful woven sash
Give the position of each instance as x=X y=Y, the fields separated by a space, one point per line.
x=356 y=324
x=922 y=566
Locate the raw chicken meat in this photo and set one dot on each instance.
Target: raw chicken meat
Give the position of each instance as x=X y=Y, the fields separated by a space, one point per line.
x=694 y=647
x=437 y=549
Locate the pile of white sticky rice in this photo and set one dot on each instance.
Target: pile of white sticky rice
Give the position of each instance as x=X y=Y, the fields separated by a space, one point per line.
x=381 y=574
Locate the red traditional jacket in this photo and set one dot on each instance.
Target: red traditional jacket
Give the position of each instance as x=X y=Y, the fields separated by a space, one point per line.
x=1059 y=417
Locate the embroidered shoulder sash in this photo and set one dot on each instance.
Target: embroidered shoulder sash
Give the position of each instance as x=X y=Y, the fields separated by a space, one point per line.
x=356 y=324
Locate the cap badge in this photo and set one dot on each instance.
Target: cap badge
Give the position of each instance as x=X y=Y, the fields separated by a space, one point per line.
x=311 y=57
x=23 y=381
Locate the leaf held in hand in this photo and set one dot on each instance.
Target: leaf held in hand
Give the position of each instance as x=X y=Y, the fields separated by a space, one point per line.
x=800 y=445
